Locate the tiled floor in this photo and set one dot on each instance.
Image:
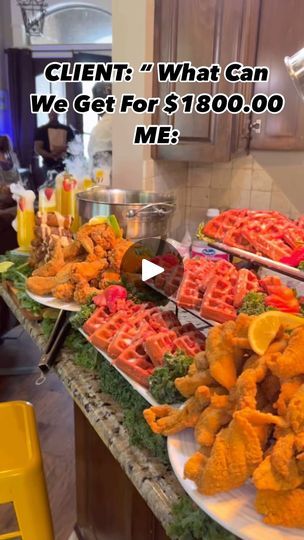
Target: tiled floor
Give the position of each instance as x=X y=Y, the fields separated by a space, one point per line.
x=54 y=413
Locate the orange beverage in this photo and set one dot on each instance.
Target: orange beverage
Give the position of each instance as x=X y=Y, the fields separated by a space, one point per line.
x=25 y=223
x=47 y=200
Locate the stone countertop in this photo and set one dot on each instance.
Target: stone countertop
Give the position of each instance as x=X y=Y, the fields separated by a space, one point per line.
x=155 y=482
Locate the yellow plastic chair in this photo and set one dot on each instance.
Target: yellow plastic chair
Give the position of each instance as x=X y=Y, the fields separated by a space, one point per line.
x=22 y=479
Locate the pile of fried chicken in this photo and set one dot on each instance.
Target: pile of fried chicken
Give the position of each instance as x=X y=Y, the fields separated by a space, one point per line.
x=247 y=412
x=80 y=268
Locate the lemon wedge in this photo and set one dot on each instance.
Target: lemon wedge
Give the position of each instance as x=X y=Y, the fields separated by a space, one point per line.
x=98 y=220
x=264 y=328
x=5 y=265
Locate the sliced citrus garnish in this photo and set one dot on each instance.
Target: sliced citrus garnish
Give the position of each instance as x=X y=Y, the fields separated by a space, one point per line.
x=5 y=265
x=264 y=328
x=98 y=220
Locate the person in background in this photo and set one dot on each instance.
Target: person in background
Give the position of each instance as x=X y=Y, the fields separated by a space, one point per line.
x=8 y=171
x=51 y=141
x=100 y=143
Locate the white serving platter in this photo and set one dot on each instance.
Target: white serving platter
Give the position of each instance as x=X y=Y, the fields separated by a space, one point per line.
x=235 y=509
x=52 y=302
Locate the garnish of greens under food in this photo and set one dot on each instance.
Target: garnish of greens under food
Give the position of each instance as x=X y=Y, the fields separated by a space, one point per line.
x=254 y=303
x=188 y=522
x=78 y=320
x=161 y=382
x=16 y=270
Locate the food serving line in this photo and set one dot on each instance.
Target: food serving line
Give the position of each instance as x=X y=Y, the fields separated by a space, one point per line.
x=108 y=467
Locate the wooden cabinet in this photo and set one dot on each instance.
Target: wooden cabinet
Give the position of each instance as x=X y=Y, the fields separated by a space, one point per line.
x=204 y=32
x=281 y=34
x=108 y=505
x=253 y=32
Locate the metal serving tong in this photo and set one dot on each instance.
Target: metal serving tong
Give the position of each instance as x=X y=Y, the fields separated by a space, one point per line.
x=56 y=339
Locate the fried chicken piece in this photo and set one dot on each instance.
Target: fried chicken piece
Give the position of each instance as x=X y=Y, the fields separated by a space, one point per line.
x=289 y=363
x=222 y=355
x=109 y=276
x=212 y=419
x=188 y=384
x=83 y=291
x=64 y=275
x=64 y=291
x=41 y=286
x=281 y=507
x=91 y=235
x=279 y=471
x=167 y=420
x=72 y=251
x=52 y=267
x=235 y=455
x=116 y=255
x=85 y=271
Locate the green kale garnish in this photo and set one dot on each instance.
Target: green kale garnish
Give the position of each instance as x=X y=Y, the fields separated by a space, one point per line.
x=78 y=320
x=47 y=326
x=18 y=274
x=254 y=304
x=191 y=523
x=84 y=354
x=161 y=382
x=132 y=404
x=301 y=266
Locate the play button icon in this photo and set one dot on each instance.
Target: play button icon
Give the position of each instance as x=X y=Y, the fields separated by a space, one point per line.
x=152 y=270
x=149 y=270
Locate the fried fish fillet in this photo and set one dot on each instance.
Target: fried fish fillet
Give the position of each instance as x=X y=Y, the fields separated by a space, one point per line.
x=236 y=453
x=281 y=507
x=223 y=356
x=290 y=362
x=167 y=420
x=188 y=384
x=212 y=419
x=279 y=470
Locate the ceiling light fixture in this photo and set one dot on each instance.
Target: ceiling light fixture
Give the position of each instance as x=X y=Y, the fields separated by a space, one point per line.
x=33 y=14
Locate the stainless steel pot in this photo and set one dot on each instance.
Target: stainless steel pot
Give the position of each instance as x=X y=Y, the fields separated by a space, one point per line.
x=141 y=214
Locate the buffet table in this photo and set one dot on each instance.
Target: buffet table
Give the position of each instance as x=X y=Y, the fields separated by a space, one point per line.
x=122 y=492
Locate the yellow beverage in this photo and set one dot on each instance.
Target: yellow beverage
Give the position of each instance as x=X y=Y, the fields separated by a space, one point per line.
x=66 y=188
x=87 y=183
x=68 y=202
x=47 y=200
x=58 y=184
x=99 y=176
x=25 y=224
